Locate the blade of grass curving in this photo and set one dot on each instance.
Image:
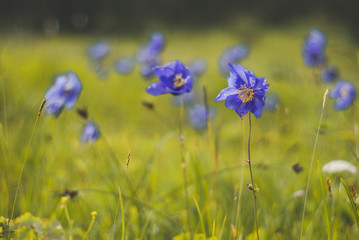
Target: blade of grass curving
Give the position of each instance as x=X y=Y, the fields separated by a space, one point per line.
x=352 y=203
x=222 y=228
x=312 y=160
x=327 y=221
x=146 y=224
x=200 y=216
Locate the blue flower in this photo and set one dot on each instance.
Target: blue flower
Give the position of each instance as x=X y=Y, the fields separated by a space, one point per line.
x=157 y=42
x=245 y=92
x=232 y=55
x=175 y=78
x=63 y=93
x=329 y=74
x=124 y=65
x=188 y=99
x=197 y=116
x=313 y=50
x=344 y=94
x=146 y=68
x=98 y=51
x=197 y=67
x=271 y=102
x=90 y=132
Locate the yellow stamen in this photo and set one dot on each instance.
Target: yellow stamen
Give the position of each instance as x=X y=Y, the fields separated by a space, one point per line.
x=178 y=81
x=245 y=93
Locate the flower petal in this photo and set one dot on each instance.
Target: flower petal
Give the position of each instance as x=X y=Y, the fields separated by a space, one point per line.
x=257 y=107
x=237 y=75
x=244 y=108
x=233 y=102
x=157 y=88
x=225 y=93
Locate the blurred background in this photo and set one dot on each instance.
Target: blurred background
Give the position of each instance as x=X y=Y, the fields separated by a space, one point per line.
x=111 y=16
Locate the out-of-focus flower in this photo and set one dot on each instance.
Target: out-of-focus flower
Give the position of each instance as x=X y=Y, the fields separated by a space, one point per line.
x=337 y=166
x=148 y=54
x=313 y=50
x=329 y=74
x=124 y=65
x=344 y=94
x=298 y=194
x=197 y=67
x=245 y=92
x=197 y=116
x=63 y=93
x=188 y=99
x=175 y=78
x=98 y=51
x=90 y=132
x=232 y=55
x=271 y=102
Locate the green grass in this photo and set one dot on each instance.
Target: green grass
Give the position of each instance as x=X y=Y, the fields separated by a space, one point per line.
x=152 y=191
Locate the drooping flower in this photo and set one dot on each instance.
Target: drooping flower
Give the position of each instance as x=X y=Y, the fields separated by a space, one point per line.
x=197 y=67
x=344 y=94
x=124 y=65
x=175 y=78
x=98 y=51
x=90 y=132
x=245 y=92
x=313 y=50
x=148 y=54
x=232 y=55
x=197 y=116
x=63 y=93
x=329 y=74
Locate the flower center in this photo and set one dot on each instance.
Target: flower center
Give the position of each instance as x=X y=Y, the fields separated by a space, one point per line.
x=344 y=92
x=245 y=93
x=178 y=81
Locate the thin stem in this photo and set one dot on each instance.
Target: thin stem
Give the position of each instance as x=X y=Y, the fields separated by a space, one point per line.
x=90 y=226
x=311 y=162
x=68 y=220
x=250 y=170
x=183 y=162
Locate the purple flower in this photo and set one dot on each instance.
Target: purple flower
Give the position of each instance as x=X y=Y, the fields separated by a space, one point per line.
x=124 y=65
x=90 y=132
x=63 y=93
x=157 y=42
x=329 y=74
x=98 y=51
x=245 y=92
x=271 y=102
x=175 y=78
x=188 y=99
x=197 y=67
x=197 y=116
x=232 y=55
x=146 y=68
x=313 y=50
x=344 y=94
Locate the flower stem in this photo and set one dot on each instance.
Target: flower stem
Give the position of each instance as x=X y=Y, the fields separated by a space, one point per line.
x=250 y=170
x=183 y=163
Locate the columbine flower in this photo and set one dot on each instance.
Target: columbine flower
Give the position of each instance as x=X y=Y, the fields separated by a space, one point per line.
x=344 y=93
x=197 y=67
x=98 y=51
x=232 y=55
x=245 y=92
x=124 y=65
x=329 y=74
x=157 y=42
x=313 y=51
x=175 y=78
x=197 y=116
x=90 y=132
x=63 y=93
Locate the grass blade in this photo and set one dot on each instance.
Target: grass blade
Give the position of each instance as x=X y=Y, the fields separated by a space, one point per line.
x=327 y=221
x=352 y=203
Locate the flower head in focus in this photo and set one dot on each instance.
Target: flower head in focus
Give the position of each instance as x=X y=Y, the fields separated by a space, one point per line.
x=232 y=55
x=245 y=92
x=90 y=132
x=344 y=94
x=63 y=93
x=175 y=78
x=313 y=50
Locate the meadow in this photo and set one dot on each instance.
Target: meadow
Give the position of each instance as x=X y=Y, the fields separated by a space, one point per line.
x=132 y=175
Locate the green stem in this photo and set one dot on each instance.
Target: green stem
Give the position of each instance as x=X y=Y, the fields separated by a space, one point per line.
x=183 y=162
x=90 y=226
x=250 y=170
